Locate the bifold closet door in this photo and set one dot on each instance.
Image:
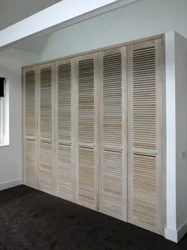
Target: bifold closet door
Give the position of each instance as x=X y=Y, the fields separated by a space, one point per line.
x=145 y=135
x=30 y=127
x=113 y=134
x=65 y=128
x=86 y=126
x=46 y=154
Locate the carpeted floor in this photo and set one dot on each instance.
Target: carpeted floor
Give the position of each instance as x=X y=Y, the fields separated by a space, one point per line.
x=30 y=219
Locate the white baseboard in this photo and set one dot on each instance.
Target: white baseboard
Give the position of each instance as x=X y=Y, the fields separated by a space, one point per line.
x=176 y=235
x=10 y=184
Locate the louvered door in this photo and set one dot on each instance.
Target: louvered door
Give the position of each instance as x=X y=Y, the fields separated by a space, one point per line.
x=30 y=128
x=87 y=127
x=145 y=183
x=46 y=140
x=65 y=163
x=113 y=134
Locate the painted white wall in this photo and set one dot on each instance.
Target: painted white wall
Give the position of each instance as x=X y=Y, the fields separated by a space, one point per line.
x=134 y=21
x=176 y=136
x=13 y=11
x=181 y=129
x=60 y=15
x=11 y=62
x=171 y=207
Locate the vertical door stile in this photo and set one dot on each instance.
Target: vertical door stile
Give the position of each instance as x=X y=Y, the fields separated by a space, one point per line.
x=54 y=126
x=124 y=134
x=75 y=126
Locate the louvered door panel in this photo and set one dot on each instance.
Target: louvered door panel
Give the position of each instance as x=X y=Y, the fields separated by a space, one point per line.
x=112 y=201
x=144 y=136
x=65 y=180
x=86 y=131
x=30 y=103
x=46 y=152
x=86 y=101
x=46 y=168
x=30 y=165
x=30 y=128
x=46 y=103
x=113 y=180
x=87 y=195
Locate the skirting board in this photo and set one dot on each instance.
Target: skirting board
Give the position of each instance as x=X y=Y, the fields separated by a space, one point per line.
x=10 y=184
x=176 y=235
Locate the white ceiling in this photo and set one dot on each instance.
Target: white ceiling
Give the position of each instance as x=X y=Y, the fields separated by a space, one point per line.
x=13 y=11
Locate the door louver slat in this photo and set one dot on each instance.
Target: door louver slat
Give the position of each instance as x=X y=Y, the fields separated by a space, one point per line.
x=30 y=157
x=46 y=103
x=65 y=167
x=112 y=182
x=46 y=168
x=86 y=133
x=144 y=158
x=30 y=106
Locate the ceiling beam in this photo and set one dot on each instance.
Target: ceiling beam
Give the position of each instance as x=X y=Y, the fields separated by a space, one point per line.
x=58 y=16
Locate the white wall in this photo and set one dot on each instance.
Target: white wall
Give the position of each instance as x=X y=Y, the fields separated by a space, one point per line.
x=11 y=62
x=13 y=11
x=137 y=20
x=181 y=129
x=176 y=136
x=171 y=220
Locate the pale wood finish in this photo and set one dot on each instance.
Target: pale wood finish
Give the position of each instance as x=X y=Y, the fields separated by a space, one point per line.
x=144 y=159
x=93 y=129
x=30 y=127
x=65 y=166
x=87 y=131
x=113 y=134
x=46 y=145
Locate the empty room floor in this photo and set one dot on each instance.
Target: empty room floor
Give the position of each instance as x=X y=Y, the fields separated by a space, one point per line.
x=30 y=219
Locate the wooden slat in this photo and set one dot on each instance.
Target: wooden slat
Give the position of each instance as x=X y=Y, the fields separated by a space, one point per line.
x=46 y=103
x=30 y=103
x=87 y=178
x=112 y=178
x=112 y=100
x=30 y=168
x=113 y=135
x=64 y=101
x=65 y=179
x=144 y=159
x=46 y=168
x=87 y=132
x=86 y=100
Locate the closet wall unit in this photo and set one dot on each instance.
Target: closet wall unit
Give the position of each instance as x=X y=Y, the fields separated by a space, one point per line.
x=93 y=131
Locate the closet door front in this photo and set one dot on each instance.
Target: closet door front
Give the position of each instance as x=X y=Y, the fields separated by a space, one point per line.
x=145 y=135
x=86 y=130
x=113 y=134
x=65 y=163
x=30 y=127
x=46 y=135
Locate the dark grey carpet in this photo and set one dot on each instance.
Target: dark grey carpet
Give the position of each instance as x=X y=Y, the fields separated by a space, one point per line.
x=30 y=219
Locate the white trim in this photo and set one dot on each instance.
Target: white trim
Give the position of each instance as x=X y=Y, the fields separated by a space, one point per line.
x=176 y=235
x=60 y=15
x=171 y=234
x=10 y=184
